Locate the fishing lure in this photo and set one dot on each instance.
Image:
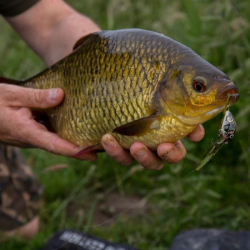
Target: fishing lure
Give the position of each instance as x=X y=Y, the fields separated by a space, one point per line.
x=225 y=133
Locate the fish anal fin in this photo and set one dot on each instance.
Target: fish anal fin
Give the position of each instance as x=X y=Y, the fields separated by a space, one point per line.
x=136 y=128
x=97 y=148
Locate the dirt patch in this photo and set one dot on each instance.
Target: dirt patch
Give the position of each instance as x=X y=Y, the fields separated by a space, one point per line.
x=109 y=208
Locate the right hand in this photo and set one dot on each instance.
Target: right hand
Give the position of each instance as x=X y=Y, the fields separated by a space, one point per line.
x=166 y=152
x=18 y=127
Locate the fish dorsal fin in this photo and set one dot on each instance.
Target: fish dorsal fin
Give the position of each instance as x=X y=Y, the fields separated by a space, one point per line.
x=10 y=81
x=138 y=127
x=82 y=40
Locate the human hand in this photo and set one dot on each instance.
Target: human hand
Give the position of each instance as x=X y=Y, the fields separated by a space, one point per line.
x=18 y=127
x=169 y=152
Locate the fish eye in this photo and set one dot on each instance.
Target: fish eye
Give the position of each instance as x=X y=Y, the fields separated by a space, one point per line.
x=199 y=84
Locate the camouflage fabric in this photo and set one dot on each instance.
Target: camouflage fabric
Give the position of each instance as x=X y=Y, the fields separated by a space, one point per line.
x=15 y=7
x=19 y=190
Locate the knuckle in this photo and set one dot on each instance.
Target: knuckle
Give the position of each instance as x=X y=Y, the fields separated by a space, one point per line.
x=51 y=146
x=154 y=166
x=8 y=94
x=115 y=151
x=147 y=159
x=37 y=96
x=177 y=158
x=147 y=163
x=172 y=158
x=117 y=155
x=142 y=158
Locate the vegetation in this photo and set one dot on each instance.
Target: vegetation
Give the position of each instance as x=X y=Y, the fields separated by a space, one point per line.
x=166 y=201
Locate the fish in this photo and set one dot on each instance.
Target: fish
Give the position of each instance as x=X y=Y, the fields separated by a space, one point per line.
x=135 y=84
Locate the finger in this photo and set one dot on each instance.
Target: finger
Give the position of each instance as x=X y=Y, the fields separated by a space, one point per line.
x=32 y=98
x=197 y=134
x=146 y=157
x=171 y=152
x=32 y=134
x=114 y=150
x=51 y=142
x=13 y=142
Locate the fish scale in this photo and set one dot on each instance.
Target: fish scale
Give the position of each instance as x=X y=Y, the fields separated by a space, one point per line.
x=133 y=84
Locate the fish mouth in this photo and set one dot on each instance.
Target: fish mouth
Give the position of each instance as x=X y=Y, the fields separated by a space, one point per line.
x=229 y=89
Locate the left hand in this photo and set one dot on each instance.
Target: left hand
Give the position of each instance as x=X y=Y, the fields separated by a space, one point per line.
x=169 y=152
x=17 y=124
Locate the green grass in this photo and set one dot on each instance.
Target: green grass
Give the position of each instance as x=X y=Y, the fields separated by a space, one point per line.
x=216 y=197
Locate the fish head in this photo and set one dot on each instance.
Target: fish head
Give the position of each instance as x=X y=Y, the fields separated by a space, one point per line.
x=197 y=91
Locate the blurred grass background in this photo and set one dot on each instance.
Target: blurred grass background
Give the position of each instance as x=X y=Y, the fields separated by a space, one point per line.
x=216 y=197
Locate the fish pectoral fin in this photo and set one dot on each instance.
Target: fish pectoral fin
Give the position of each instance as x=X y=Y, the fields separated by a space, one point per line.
x=137 y=128
x=97 y=148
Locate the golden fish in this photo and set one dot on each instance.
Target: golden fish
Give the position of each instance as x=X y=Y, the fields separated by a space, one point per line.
x=135 y=84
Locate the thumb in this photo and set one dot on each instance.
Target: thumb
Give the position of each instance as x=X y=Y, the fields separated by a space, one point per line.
x=46 y=98
x=33 y=98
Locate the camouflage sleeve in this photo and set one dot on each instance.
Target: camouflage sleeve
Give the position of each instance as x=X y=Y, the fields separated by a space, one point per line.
x=19 y=190
x=9 y=8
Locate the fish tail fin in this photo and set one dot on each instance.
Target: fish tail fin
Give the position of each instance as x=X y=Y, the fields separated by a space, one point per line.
x=10 y=81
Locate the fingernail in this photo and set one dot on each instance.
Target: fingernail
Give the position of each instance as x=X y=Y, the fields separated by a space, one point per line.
x=53 y=94
x=108 y=141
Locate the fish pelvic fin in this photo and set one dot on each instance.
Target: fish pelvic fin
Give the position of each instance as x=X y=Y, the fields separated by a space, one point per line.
x=136 y=128
x=96 y=148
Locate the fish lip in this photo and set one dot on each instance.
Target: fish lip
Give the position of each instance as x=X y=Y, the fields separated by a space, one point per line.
x=229 y=89
x=233 y=99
